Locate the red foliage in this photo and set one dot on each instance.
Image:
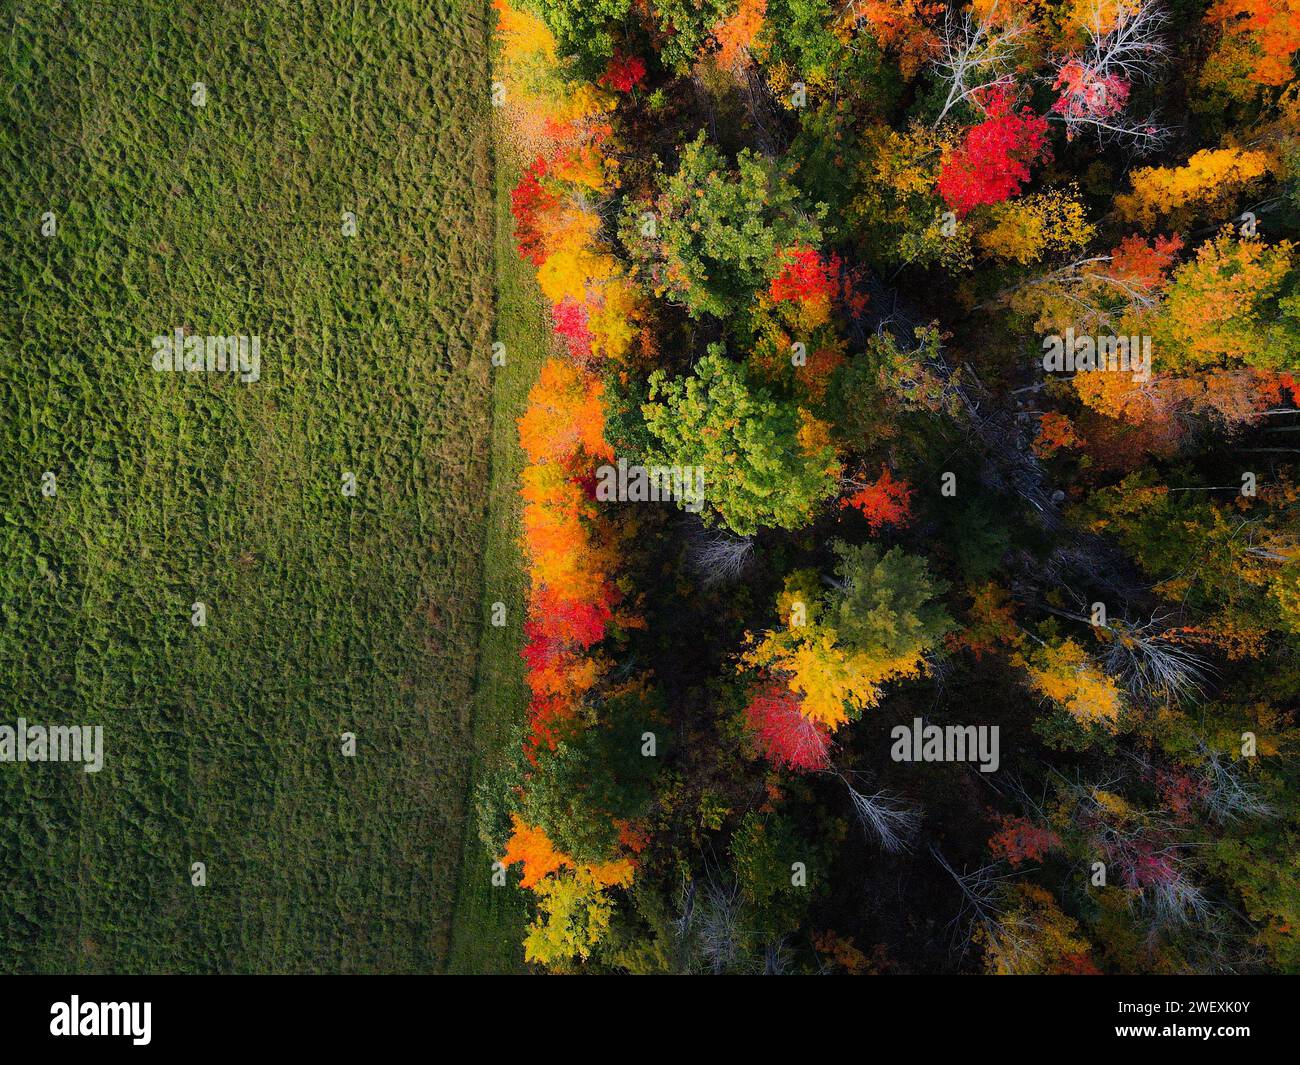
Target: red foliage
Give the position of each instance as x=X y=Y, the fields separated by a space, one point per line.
x=854 y=300
x=992 y=162
x=1275 y=390
x=632 y=836
x=1019 y=840
x=1181 y=793
x=551 y=718
x=805 y=276
x=530 y=199
x=1145 y=865
x=624 y=73
x=785 y=736
x=570 y=318
x=1055 y=431
x=883 y=502
x=1075 y=965
x=570 y=620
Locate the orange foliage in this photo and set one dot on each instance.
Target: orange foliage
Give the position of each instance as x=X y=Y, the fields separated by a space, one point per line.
x=735 y=34
x=1142 y=264
x=884 y=501
x=902 y=26
x=991 y=622
x=564 y=414
x=1267 y=30
x=1055 y=431
x=532 y=847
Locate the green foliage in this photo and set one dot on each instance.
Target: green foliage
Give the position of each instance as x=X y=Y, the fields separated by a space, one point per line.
x=582 y=28
x=686 y=25
x=718 y=229
x=599 y=777
x=977 y=537
x=883 y=604
x=625 y=427
x=801 y=33
x=886 y=395
x=756 y=471
x=764 y=853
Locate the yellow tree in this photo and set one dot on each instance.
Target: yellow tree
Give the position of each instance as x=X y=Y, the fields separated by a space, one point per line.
x=836 y=649
x=1067 y=675
x=1208 y=186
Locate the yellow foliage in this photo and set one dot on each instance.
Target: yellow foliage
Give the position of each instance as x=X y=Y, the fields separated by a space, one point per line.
x=1026 y=229
x=814 y=437
x=831 y=680
x=574 y=266
x=1033 y=937
x=1065 y=674
x=573 y=915
x=1206 y=186
x=613 y=319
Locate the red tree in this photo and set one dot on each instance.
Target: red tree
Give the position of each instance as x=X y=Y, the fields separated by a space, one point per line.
x=992 y=162
x=1021 y=840
x=883 y=502
x=570 y=318
x=805 y=276
x=784 y=734
x=624 y=73
x=528 y=201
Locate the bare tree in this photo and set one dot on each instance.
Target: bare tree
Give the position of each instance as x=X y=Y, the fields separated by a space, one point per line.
x=1176 y=900
x=717 y=557
x=1118 y=55
x=1228 y=796
x=1146 y=662
x=886 y=817
x=1006 y=931
x=716 y=926
x=976 y=55
x=776 y=959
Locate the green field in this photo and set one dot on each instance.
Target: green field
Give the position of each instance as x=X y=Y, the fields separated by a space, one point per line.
x=326 y=612
x=489 y=925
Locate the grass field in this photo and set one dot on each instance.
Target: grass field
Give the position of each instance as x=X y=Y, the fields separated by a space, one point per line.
x=489 y=924
x=326 y=613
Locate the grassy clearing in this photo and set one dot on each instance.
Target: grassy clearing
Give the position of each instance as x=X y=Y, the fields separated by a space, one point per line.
x=489 y=925
x=326 y=613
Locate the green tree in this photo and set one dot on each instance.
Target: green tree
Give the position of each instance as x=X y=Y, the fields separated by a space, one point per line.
x=687 y=25
x=757 y=469
x=582 y=27
x=601 y=776
x=714 y=231
x=883 y=605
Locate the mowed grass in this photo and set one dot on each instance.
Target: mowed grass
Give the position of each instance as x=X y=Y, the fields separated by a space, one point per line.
x=326 y=613
x=490 y=920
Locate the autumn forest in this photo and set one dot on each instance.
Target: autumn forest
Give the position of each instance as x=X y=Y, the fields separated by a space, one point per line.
x=910 y=511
